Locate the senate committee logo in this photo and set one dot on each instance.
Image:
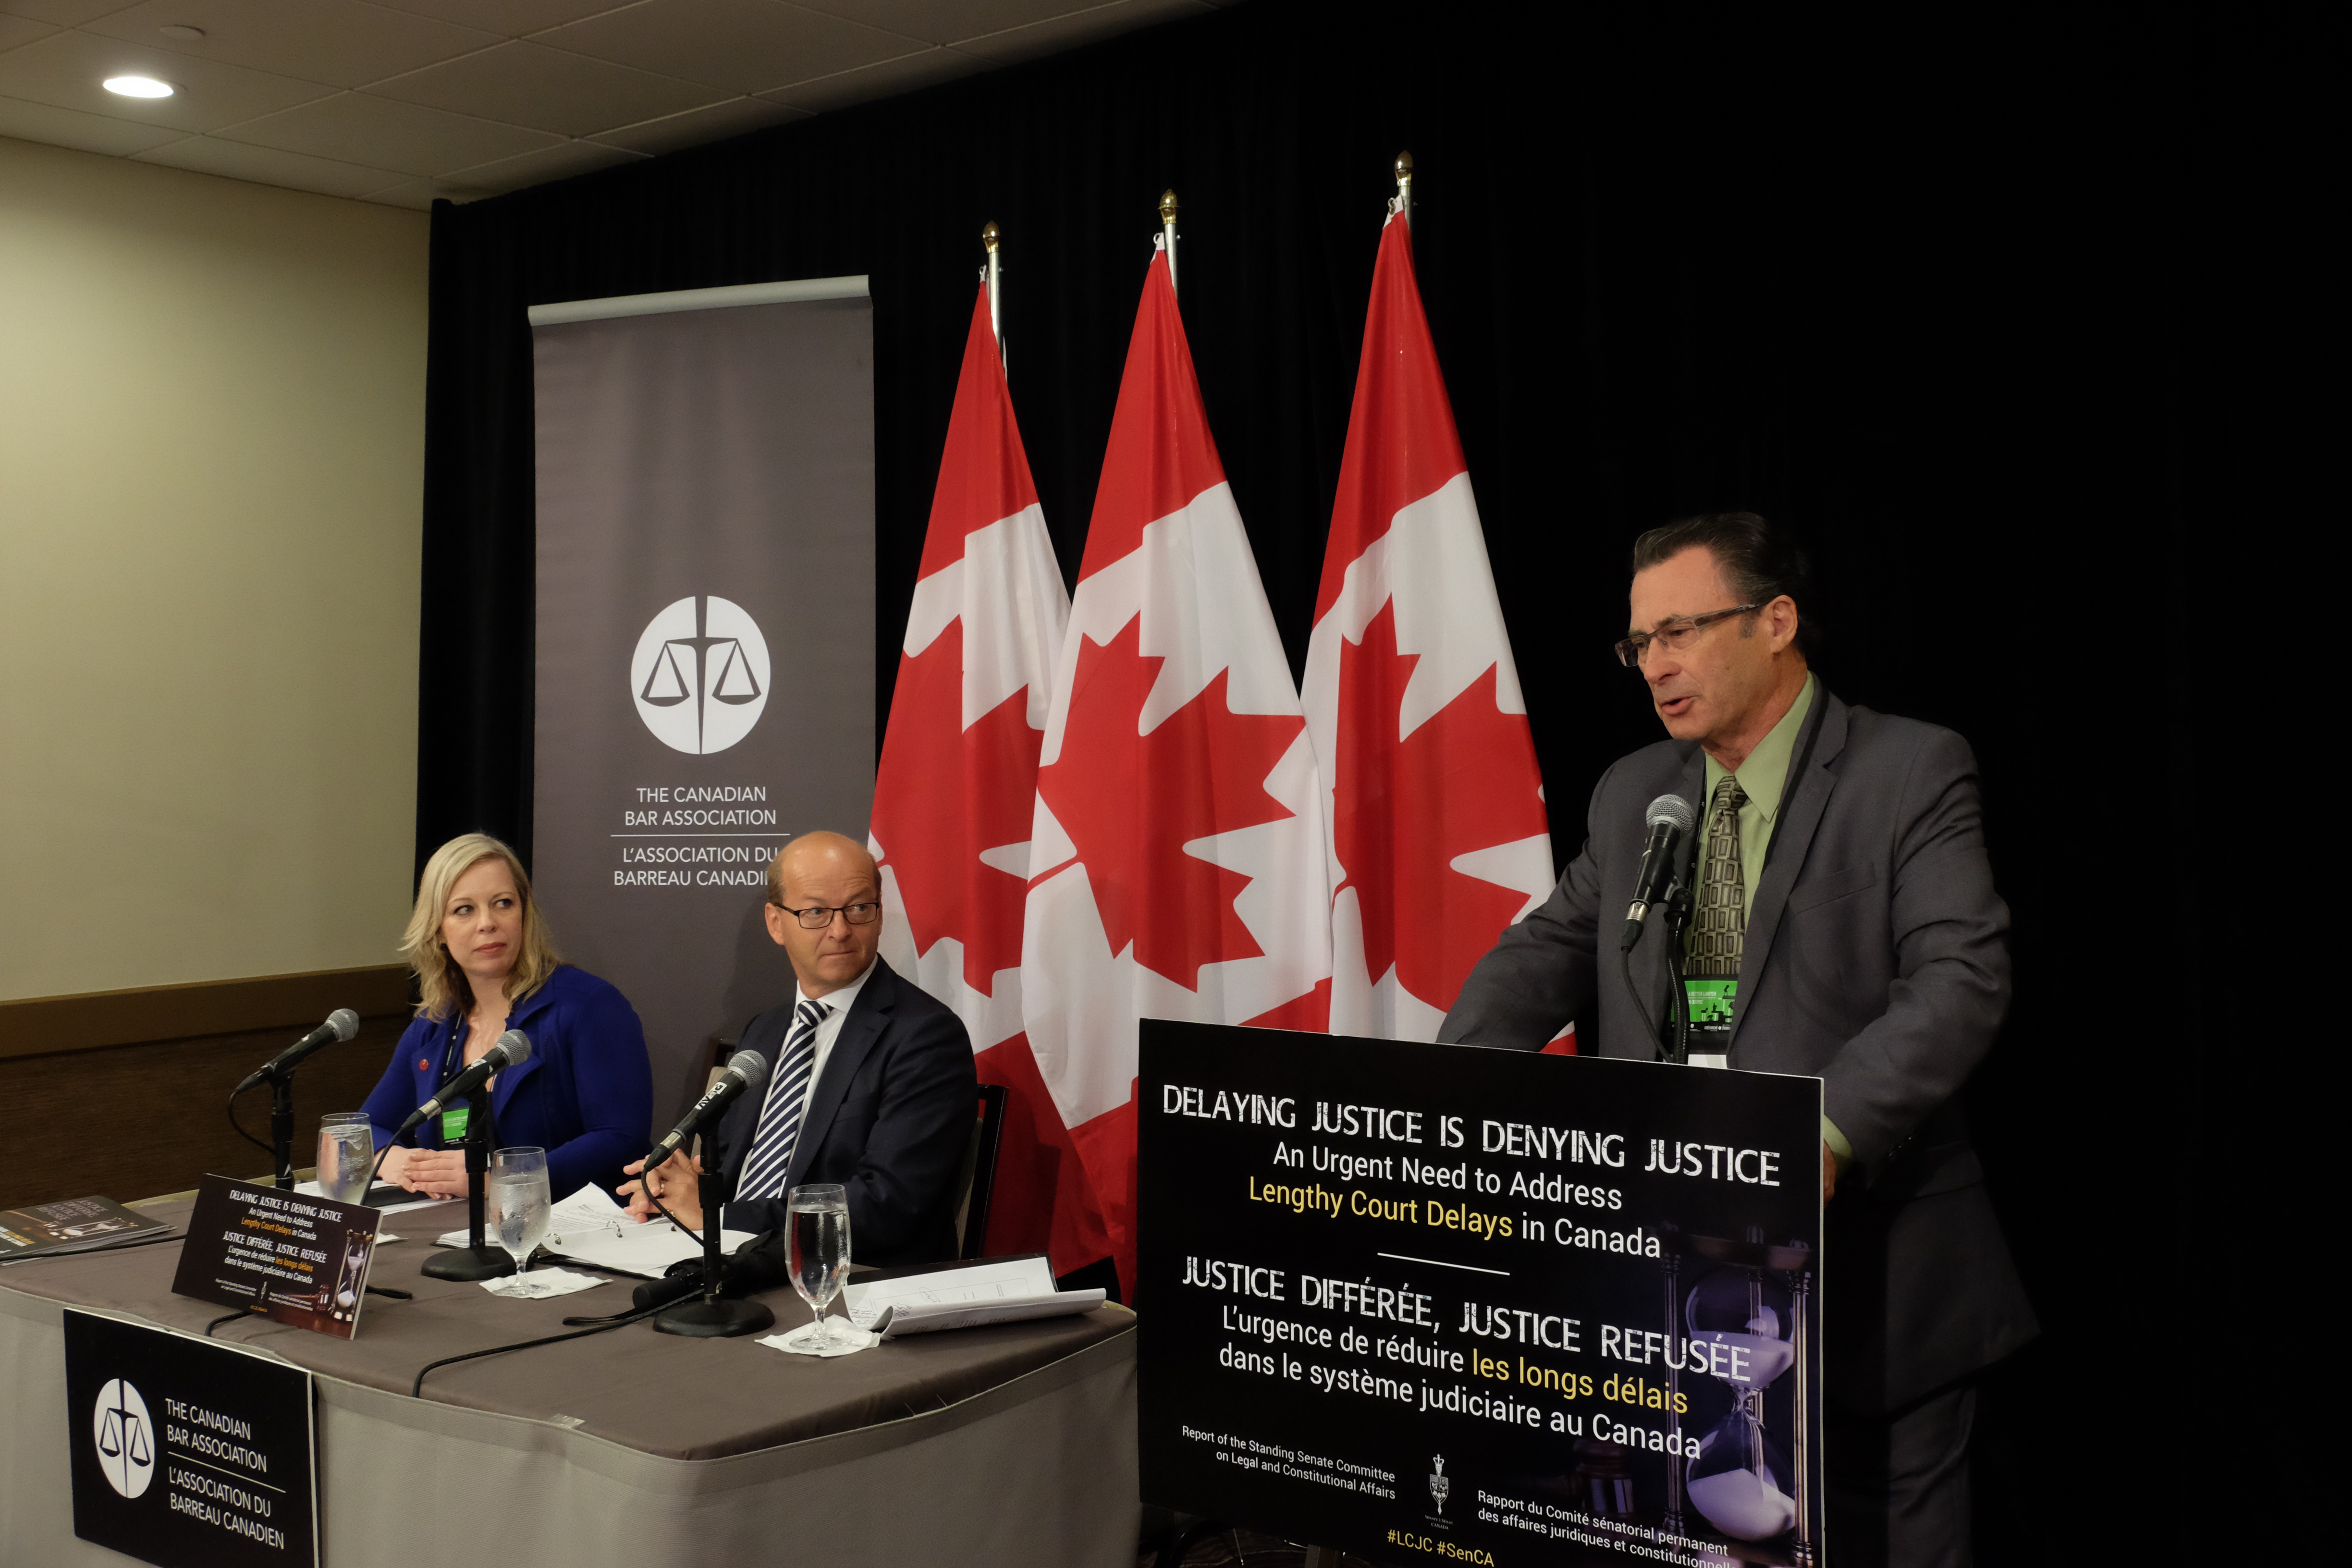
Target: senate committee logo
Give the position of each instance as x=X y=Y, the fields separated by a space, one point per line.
x=126 y=1439
x=700 y=675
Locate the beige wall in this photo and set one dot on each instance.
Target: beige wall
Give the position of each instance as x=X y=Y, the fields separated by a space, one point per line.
x=212 y=443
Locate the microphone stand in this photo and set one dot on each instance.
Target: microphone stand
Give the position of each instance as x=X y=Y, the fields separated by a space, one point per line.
x=477 y=1259
x=1677 y=919
x=281 y=1127
x=711 y=1318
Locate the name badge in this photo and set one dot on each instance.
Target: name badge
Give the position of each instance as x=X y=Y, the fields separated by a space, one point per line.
x=454 y=1119
x=1711 y=1000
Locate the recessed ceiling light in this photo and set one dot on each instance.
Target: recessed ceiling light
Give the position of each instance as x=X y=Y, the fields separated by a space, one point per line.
x=180 y=33
x=138 y=87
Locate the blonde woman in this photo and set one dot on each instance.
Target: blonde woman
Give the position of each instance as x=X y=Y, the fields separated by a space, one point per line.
x=484 y=965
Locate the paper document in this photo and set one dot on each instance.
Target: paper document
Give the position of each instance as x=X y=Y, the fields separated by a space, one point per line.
x=590 y=1227
x=963 y=1298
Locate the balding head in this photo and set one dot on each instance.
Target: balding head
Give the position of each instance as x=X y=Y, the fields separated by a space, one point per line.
x=831 y=872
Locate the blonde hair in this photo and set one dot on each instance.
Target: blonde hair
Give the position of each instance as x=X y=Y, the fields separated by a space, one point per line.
x=441 y=986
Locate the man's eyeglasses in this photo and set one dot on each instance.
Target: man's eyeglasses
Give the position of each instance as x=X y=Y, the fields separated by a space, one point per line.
x=1674 y=635
x=817 y=917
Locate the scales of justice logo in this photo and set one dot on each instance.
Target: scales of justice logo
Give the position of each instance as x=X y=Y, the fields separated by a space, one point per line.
x=701 y=681
x=126 y=1440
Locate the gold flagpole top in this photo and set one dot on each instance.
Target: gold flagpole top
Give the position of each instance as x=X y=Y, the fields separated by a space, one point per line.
x=988 y=237
x=1167 y=208
x=1403 y=167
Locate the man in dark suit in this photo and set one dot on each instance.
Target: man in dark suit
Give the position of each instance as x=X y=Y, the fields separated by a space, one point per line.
x=870 y=1080
x=1844 y=926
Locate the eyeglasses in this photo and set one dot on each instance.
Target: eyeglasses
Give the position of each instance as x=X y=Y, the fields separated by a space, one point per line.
x=817 y=917
x=1674 y=635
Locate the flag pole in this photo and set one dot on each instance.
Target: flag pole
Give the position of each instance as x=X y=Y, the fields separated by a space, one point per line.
x=989 y=236
x=1168 y=233
x=1402 y=204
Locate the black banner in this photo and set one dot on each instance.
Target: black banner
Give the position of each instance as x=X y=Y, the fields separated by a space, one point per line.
x=299 y=1260
x=187 y=1453
x=1433 y=1303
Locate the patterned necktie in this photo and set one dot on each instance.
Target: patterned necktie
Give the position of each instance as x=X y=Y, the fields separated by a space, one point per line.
x=780 y=1119
x=1719 y=923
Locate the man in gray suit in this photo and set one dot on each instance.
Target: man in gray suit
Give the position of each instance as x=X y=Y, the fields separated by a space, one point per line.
x=1844 y=926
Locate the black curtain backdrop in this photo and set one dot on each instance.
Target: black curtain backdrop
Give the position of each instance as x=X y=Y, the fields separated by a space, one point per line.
x=1964 y=302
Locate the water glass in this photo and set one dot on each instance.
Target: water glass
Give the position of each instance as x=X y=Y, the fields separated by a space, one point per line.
x=817 y=1250
x=346 y=1155
x=519 y=1206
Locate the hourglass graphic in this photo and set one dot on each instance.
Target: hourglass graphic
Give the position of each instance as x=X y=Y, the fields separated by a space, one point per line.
x=1749 y=1315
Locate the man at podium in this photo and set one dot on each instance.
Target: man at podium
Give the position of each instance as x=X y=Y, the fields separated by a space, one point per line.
x=1843 y=924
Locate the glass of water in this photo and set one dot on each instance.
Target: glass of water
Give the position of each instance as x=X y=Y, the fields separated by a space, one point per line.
x=818 y=1243
x=517 y=1209
x=346 y=1155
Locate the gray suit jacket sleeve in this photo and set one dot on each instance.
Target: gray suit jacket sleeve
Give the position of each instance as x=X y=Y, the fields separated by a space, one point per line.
x=1542 y=970
x=1950 y=931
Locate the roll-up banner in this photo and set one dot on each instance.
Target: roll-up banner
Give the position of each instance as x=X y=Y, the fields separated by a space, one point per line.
x=705 y=634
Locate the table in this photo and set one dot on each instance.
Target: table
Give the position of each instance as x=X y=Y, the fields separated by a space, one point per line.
x=1011 y=1444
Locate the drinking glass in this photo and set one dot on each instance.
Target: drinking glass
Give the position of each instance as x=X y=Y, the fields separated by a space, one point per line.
x=517 y=1210
x=818 y=1244
x=346 y=1155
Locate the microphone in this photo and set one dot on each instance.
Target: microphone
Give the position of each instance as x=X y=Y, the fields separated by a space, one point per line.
x=746 y=1072
x=513 y=1050
x=342 y=1023
x=1670 y=816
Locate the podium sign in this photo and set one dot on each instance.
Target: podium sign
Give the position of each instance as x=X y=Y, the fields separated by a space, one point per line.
x=185 y=1452
x=1433 y=1303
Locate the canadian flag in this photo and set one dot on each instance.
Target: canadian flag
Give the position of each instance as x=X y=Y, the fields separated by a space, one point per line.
x=1176 y=870
x=1435 y=805
x=953 y=797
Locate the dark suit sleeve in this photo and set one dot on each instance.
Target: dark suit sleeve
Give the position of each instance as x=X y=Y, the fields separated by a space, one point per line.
x=1951 y=936
x=915 y=1151
x=1541 y=975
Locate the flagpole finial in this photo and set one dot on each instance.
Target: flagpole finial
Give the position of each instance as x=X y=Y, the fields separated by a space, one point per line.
x=1403 y=167
x=1167 y=208
x=988 y=237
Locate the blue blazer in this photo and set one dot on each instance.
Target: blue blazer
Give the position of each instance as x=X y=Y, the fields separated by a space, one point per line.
x=585 y=1095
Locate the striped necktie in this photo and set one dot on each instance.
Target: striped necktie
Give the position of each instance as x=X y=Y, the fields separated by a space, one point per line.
x=780 y=1119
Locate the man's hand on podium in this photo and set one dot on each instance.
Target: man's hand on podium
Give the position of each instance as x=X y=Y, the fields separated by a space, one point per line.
x=676 y=1181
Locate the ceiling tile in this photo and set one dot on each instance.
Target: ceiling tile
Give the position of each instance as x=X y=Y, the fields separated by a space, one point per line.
x=514 y=18
x=870 y=82
x=15 y=30
x=269 y=167
x=944 y=21
x=538 y=168
x=420 y=193
x=72 y=128
x=1067 y=32
x=339 y=42
x=64 y=69
x=697 y=126
x=64 y=13
x=744 y=46
x=550 y=90
x=375 y=133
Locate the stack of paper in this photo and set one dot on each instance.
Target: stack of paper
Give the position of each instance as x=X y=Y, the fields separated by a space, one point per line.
x=590 y=1227
x=963 y=1298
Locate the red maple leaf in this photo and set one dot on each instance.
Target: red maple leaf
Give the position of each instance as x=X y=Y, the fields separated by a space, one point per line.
x=1401 y=810
x=943 y=794
x=1131 y=803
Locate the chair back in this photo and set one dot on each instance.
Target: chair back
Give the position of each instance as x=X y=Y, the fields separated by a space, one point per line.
x=976 y=1188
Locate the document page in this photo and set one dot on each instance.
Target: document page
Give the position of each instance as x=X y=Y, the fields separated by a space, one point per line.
x=590 y=1227
x=964 y=1298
